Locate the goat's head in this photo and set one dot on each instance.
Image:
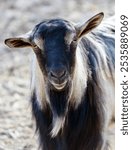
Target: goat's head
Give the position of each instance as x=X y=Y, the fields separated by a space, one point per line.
x=54 y=43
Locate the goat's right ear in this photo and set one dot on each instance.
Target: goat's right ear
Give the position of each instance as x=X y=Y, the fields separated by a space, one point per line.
x=89 y=25
x=17 y=42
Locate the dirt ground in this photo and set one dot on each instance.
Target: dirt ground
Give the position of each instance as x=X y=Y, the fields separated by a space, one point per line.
x=17 y=129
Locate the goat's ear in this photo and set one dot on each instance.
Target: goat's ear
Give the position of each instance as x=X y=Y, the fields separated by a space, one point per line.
x=19 y=42
x=89 y=25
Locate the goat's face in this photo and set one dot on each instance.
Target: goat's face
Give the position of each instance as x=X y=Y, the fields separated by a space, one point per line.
x=54 y=43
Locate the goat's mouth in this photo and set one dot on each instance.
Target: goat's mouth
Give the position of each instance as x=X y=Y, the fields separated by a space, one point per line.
x=59 y=86
x=58 y=83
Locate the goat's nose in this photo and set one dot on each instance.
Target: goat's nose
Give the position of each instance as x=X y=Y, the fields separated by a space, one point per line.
x=58 y=73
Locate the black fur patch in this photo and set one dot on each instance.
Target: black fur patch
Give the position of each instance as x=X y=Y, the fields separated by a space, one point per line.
x=59 y=101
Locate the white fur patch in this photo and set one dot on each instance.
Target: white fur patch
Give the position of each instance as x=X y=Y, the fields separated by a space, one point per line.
x=58 y=123
x=39 y=42
x=38 y=84
x=69 y=37
x=80 y=77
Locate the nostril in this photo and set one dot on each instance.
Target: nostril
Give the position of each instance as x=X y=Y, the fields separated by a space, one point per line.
x=58 y=73
x=53 y=75
x=62 y=73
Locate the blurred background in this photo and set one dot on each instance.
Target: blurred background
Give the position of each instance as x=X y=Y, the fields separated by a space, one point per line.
x=17 y=130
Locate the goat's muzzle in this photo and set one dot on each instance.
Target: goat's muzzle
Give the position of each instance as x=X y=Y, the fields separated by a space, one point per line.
x=58 y=77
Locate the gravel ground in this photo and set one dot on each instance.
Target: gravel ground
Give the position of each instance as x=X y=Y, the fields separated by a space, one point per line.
x=17 y=131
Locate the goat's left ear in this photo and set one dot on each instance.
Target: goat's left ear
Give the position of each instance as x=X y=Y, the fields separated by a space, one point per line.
x=89 y=25
x=19 y=42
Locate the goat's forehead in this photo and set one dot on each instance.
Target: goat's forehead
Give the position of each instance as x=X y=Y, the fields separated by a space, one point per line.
x=56 y=30
x=54 y=25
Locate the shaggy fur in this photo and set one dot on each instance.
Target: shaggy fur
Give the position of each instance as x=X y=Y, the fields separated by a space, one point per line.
x=90 y=97
x=80 y=116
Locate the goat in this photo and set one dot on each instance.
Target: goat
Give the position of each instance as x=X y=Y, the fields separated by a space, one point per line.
x=72 y=86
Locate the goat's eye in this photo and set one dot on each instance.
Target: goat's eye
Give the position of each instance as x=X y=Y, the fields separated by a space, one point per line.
x=36 y=49
x=74 y=42
x=35 y=46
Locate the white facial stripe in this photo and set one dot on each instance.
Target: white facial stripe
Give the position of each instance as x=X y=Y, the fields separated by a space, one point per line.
x=69 y=37
x=39 y=42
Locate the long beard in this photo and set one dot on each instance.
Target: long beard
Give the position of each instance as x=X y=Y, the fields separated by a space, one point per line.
x=59 y=101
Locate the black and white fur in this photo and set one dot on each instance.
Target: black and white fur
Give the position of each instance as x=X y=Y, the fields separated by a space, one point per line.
x=72 y=88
